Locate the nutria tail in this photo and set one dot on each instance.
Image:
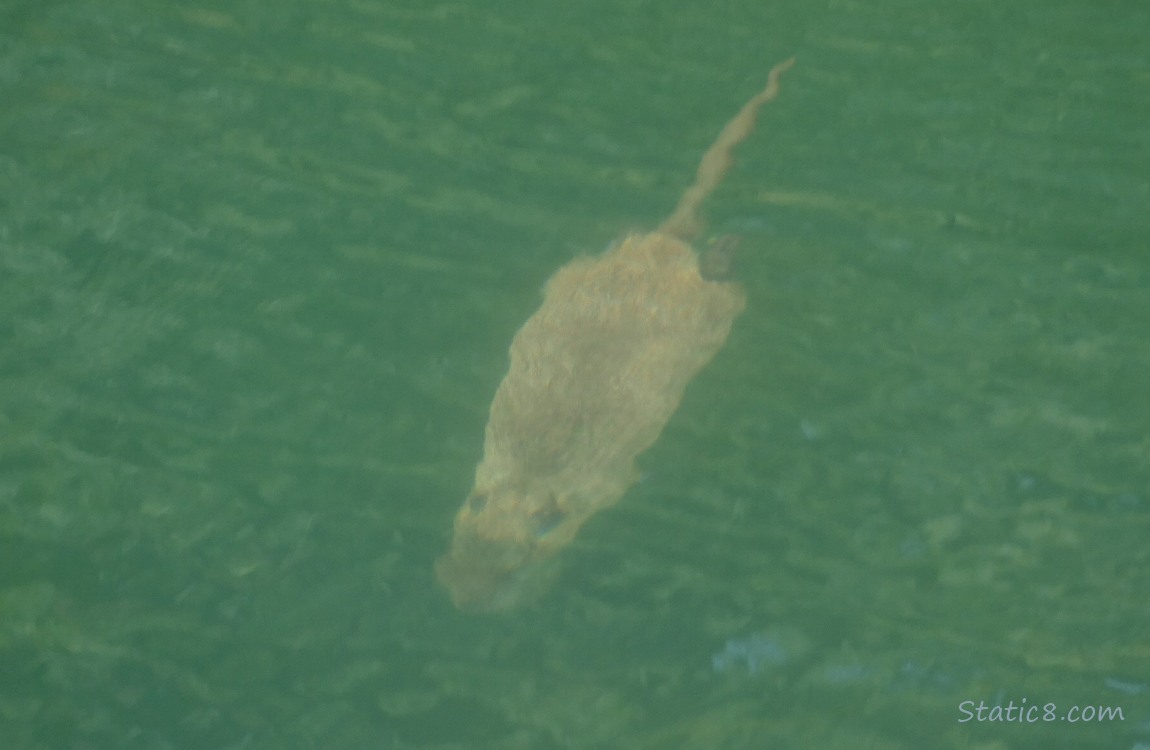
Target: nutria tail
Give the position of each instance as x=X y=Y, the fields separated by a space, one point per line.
x=684 y=222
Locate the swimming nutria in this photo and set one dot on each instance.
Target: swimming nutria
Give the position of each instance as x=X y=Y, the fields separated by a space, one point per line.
x=595 y=374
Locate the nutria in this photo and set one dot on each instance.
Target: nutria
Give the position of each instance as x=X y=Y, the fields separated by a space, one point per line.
x=595 y=374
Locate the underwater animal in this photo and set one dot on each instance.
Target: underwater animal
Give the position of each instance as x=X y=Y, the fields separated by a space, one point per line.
x=594 y=376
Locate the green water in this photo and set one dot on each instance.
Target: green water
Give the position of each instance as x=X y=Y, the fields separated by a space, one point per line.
x=259 y=268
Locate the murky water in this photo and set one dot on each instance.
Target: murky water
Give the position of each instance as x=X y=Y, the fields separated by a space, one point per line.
x=259 y=270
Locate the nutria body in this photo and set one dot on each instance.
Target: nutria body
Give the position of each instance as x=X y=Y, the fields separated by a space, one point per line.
x=595 y=374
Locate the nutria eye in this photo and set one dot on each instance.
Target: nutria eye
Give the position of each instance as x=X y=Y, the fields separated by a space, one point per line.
x=546 y=520
x=476 y=503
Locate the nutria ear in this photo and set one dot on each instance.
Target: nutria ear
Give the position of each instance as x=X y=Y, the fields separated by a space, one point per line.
x=717 y=261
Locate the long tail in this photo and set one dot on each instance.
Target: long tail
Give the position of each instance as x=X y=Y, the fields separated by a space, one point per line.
x=685 y=222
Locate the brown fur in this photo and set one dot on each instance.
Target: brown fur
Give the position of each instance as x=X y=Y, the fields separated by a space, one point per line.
x=595 y=374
